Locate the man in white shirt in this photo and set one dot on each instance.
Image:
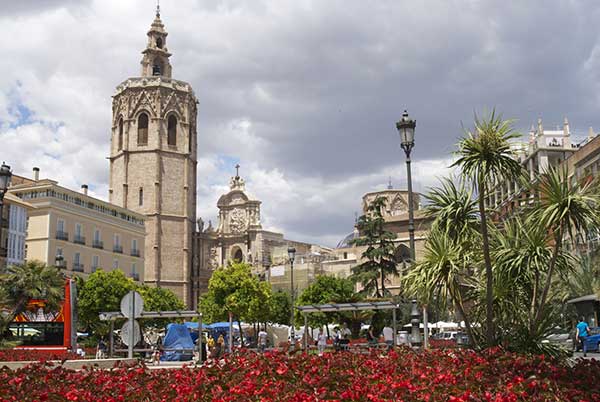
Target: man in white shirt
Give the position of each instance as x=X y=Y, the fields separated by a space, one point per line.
x=262 y=340
x=388 y=335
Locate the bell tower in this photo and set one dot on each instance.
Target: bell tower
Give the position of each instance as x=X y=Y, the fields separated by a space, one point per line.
x=153 y=163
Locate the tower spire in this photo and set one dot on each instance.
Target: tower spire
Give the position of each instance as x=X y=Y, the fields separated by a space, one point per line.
x=158 y=8
x=156 y=55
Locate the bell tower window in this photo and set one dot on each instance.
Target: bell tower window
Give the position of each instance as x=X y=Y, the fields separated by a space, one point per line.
x=142 y=138
x=159 y=43
x=120 y=140
x=172 y=131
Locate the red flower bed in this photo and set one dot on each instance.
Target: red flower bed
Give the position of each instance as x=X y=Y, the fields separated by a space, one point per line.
x=442 y=344
x=399 y=376
x=7 y=355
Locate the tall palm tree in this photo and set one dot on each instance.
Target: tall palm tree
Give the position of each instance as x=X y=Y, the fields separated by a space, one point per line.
x=31 y=280
x=442 y=273
x=565 y=207
x=453 y=208
x=485 y=156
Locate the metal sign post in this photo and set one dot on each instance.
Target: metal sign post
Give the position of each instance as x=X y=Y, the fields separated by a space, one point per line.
x=132 y=306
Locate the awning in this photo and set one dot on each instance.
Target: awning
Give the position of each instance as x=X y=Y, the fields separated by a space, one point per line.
x=324 y=308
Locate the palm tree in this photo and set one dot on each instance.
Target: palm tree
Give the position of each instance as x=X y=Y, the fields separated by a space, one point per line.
x=31 y=280
x=485 y=156
x=565 y=207
x=442 y=273
x=454 y=209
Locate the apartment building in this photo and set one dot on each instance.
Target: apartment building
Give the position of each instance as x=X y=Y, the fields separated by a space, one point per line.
x=87 y=233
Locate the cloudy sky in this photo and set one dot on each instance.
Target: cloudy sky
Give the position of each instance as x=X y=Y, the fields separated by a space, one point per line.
x=303 y=94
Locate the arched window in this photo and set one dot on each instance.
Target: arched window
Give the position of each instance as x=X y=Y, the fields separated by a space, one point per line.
x=172 y=130
x=159 y=43
x=238 y=256
x=142 y=129
x=120 y=140
x=157 y=67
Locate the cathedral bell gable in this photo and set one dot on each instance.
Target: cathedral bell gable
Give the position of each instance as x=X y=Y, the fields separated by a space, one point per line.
x=156 y=55
x=238 y=213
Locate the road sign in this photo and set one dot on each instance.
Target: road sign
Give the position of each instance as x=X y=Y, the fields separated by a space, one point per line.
x=126 y=333
x=132 y=305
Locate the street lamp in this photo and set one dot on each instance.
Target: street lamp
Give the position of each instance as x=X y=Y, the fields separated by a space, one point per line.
x=406 y=129
x=292 y=256
x=5 y=176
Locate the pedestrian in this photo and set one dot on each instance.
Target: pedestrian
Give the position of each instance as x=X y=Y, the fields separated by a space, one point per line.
x=101 y=349
x=219 y=346
x=345 y=337
x=371 y=339
x=337 y=337
x=388 y=336
x=321 y=342
x=582 y=332
x=262 y=340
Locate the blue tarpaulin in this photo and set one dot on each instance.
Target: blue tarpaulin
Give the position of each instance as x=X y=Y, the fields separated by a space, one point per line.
x=178 y=338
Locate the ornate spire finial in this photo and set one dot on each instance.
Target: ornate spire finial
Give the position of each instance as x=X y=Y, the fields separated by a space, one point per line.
x=390 y=187
x=158 y=8
x=237 y=170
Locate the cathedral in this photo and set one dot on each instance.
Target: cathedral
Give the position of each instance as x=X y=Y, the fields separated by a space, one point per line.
x=153 y=158
x=153 y=163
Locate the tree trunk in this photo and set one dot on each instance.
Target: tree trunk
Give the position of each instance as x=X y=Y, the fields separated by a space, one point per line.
x=489 y=286
x=241 y=333
x=458 y=303
x=382 y=282
x=552 y=265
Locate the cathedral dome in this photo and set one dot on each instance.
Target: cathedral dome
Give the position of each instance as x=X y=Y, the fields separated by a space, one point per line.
x=347 y=241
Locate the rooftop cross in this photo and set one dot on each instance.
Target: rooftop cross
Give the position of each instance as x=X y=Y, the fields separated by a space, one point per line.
x=237 y=170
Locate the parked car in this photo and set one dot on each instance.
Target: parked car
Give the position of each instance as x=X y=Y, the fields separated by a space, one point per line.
x=462 y=339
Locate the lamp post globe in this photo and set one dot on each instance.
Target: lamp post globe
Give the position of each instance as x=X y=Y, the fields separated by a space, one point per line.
x=406 y=129
x=292 y=257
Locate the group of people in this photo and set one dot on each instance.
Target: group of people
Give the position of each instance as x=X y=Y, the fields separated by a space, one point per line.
x=215 y=348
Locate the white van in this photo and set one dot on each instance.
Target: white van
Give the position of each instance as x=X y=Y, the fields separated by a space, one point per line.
x=448 y=336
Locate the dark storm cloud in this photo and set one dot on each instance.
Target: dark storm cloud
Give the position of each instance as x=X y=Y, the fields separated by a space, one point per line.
x=339 y=74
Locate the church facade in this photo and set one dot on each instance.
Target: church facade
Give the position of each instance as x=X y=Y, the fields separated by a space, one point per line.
x=153 y=163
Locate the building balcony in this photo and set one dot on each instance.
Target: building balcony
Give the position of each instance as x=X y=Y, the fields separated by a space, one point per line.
x=118 y=249
x=135 y=253
x=98 y=244
x=79 y=240
x=135 y=276
x=60 y=235
x=77 y=267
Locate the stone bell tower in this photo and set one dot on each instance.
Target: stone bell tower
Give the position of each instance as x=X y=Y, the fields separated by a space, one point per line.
x=153 y=163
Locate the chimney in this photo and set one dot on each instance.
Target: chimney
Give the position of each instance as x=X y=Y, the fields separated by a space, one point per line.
x=84 y=189
x=36 y=173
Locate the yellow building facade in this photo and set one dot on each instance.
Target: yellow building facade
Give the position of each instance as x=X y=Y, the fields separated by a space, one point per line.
x=88 y=233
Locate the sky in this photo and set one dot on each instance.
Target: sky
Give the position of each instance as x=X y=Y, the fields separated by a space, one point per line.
x=304 y=95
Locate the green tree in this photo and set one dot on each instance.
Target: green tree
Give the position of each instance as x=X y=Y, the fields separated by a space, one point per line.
x=280 y=309
x=326 y=289
x=159 y=299
x=233 y=289
x=102 y=291
x=31 y=280
x=563 y=207
x=485 y=156
x=379 y=254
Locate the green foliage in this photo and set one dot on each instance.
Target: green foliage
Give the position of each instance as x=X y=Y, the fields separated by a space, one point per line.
x=102 y=291
x=233 y=289
x=280 y=309
x=379 y=254
x=485 y=156
x=23 y=282
x=159 y=299
x=326 y=289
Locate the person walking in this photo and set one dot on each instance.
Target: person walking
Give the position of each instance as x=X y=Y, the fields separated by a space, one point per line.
x=388 y=336
x=582 y=332
x=219 y=346
x=262 y=340
x=321 y=342
x=101 y=349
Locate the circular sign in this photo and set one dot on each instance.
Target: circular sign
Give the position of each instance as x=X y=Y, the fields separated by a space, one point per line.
x=126 y=333
x=132 y=305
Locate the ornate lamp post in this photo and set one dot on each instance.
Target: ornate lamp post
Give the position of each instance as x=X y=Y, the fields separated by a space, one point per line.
x=406 y=129
x=292 y=256
x=415 y=336
x=5 y=176
x=59 y=261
